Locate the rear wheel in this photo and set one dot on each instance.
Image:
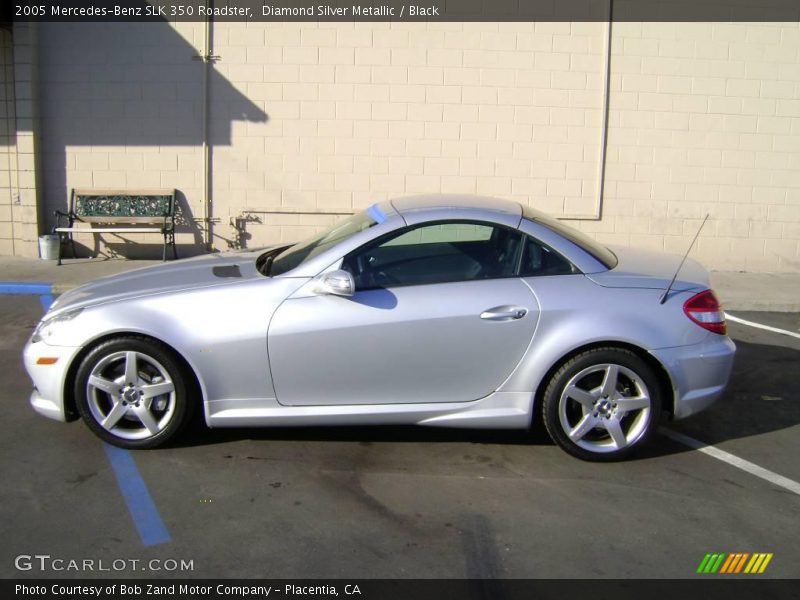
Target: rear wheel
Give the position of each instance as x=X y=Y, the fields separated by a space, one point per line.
x=602 y=404
x=131 y=392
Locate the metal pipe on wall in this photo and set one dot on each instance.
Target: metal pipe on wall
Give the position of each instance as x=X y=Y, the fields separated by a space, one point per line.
x=597 y=213
x=601 y=167
x=208 y=234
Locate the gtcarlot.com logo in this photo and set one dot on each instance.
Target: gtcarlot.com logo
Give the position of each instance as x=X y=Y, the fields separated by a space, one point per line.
x=46 y=562
x=736 y=562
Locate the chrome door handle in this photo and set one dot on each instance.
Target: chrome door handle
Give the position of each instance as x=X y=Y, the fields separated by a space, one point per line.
x=504 y=313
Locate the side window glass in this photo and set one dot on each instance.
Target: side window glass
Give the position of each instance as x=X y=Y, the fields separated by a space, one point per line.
x=445 y=232
x=437 y=253
x=539 y=260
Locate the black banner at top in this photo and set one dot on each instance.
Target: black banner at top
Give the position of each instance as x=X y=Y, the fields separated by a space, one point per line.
x=402 y=10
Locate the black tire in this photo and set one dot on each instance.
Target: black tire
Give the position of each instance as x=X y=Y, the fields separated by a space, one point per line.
x=154 y=367
x=598 y=392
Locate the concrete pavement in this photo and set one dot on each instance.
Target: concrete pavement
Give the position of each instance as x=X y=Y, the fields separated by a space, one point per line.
x=775 y=292
x=403 y=502
x=778 y=292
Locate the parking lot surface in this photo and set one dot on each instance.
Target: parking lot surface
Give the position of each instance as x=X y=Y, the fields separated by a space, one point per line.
x=409 y=502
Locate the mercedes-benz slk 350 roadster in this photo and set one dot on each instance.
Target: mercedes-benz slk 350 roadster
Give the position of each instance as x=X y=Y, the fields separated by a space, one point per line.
x=452 y=311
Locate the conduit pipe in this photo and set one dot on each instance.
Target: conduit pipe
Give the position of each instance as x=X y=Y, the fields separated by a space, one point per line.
x=597 y=212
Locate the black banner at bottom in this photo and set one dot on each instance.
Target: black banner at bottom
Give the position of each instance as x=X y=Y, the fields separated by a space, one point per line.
x=399 y=589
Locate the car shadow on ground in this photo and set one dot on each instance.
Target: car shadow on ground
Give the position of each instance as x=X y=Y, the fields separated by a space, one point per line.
x=762 y=397
x=200 y=435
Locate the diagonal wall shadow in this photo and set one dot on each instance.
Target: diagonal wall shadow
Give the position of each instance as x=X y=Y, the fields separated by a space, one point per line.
x=108 y=91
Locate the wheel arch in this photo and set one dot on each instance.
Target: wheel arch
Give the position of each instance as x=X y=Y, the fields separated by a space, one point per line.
x=666 y=386
x=70 y=408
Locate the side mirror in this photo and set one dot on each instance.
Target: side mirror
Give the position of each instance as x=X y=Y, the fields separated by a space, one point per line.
x=336 y=283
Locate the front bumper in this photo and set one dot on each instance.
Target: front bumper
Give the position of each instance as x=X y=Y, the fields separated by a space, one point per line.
x=699 y=372
x=47 y=397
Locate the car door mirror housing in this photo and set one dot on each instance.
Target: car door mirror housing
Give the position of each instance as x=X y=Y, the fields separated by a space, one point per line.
x=336 y=283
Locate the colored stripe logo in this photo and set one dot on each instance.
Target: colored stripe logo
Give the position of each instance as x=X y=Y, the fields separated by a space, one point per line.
x=735 y=563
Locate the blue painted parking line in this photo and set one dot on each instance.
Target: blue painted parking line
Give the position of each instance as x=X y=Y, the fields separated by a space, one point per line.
x=28 y=288
x=143 y=510
x=46 y=300
x=134 y=490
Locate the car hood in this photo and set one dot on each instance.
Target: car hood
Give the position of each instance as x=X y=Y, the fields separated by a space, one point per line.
x=651 y=269
x=202 y=271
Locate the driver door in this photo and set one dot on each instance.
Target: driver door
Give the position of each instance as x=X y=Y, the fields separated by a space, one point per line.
x=438 y=315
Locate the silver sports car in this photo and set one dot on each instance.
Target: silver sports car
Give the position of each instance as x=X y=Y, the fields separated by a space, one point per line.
x=452 y=311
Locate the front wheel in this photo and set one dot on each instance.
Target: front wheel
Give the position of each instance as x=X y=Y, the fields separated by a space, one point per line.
x=602 y=404
x=131 y=392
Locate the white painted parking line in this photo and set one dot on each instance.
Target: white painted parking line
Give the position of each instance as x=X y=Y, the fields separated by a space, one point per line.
x=733 y=460
x=730 y=317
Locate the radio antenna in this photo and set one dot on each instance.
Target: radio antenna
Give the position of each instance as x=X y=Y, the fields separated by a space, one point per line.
x=683 y=260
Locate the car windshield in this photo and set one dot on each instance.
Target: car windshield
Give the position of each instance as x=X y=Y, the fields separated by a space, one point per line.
x=580 y=239
x=296 y=255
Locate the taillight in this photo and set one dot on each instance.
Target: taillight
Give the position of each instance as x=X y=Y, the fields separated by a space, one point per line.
x=705 y=310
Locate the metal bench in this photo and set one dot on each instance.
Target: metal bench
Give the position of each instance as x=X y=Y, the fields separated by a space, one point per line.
x=118 y=212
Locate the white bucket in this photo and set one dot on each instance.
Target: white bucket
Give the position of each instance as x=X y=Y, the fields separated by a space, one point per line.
x=48 y=246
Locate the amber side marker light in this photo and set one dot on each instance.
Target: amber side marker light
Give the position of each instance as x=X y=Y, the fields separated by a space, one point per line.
x=47 y=360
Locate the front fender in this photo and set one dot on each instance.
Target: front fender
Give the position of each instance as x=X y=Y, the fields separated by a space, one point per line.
x=221 y=332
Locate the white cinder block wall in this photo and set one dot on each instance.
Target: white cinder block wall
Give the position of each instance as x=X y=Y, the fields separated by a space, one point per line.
x=7 y=143
x=19 y=213
x=312 y=120
x=705 y=118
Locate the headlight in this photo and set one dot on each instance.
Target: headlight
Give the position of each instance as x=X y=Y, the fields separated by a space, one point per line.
x=46 y=326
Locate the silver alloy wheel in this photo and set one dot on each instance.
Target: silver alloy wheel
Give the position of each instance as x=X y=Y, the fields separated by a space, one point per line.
x=131 y=395
x=605 y=408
